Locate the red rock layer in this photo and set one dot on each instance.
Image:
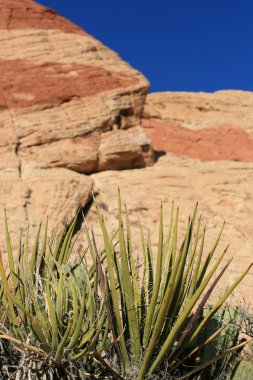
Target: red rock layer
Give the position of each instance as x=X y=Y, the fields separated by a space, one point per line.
x=25 y=14
x=25 y=84
x=222 y=142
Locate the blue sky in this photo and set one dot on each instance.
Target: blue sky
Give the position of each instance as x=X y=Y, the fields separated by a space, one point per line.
x=180 y=45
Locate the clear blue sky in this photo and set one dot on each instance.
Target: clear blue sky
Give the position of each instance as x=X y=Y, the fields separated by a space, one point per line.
x=180 y=45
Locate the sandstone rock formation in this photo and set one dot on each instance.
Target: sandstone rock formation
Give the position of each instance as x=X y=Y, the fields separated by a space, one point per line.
x=66 y=102
x=70 y=107
x=223 y=190
x=207 y=139
x=214 y=126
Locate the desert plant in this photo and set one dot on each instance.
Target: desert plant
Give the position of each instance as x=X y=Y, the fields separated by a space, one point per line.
x=123 y=316
x=54 y=314
x=156 y=311
x=228 y=320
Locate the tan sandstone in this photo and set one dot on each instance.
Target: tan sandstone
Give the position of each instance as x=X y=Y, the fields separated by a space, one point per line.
x=223 y=191
x=209 y=126
x=68 y=105
x=205 y=156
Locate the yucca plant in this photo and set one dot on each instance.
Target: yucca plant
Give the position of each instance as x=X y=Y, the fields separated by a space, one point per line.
x=123 y=315
x=156 y=311
x=53 y=312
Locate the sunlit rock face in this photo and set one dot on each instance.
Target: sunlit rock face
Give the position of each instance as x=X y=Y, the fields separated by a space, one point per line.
x=69 y=106
x=204 y=146
x=208 y=126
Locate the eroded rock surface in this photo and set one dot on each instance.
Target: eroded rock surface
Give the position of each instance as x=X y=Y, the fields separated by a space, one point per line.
x=69 y=107
x=223 y=190
x=205 y=141
x=214 y=126
x=66 y=102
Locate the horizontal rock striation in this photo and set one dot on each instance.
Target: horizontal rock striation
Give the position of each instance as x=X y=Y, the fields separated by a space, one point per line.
x=203 y=143
x=215 y=126
x=69 y=106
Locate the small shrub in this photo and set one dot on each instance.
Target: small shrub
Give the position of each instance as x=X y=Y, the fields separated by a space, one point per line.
x=122 y=316
x=54 y=315
x=156 y=312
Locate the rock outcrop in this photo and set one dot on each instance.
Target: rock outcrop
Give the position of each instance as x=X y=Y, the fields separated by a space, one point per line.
x=70 y=107
x=205 y=146
x=223 y=190
x=208 y=126
x=66 y=102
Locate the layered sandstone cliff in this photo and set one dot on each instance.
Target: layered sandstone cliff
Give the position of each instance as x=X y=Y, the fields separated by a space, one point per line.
x=204 y=146
x=69 y=107
x=66 y=102
x=208 y=126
